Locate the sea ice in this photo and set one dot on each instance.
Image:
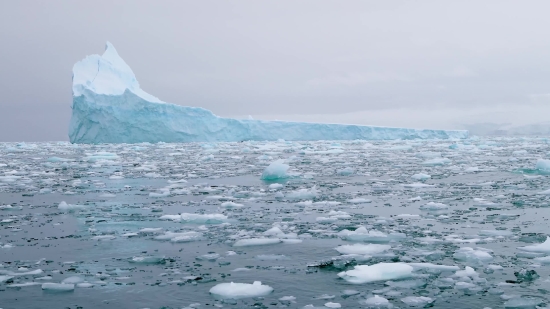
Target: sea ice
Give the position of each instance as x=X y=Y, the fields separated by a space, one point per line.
x=57 y=287
x=197 y=218
x=377 y=272
x=240 y=290
x=542 y=248
x=256 y=242
x=276 y=170
x=369 y=249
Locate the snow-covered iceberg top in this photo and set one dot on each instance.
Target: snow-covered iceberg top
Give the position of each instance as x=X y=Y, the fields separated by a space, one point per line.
x=107 y=74
x=109 y=106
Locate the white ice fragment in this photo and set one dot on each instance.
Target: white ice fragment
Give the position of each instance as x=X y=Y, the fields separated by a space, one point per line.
x=417 y=301
x=542 y=248
x=469 y=254
x=369 y=249
x=69 y=207
x=433 y=206
x=197 y=218
x=231 y=205
x=57 y=287
x=276 y=170
x=377 y=302
x=303 y=194
x=421 y=176
x=256 y=242
x=240 y=290
x=377 y=272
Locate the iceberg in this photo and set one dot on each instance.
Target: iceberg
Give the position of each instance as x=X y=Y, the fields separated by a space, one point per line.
x=109 y=106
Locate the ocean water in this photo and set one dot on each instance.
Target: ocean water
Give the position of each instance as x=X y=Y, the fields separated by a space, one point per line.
x=159 y=225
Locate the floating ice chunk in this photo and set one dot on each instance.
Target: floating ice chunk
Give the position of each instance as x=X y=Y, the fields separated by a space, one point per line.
x=346 y=171
x=545 y=192
x=57 y=287
x=369 y=249
x=543 y=165
x=148 y=260
x=275 y=186
x=256 y=242
x=333 y=305
x=435 y=266
x=240 y=290
x=543 y=260
x=101 y=156
x=231 y=205
x=303 y=194
x=359 y=200
x=524 y=302
x=433 y=206
x=421 y=176
x=197 y=218
x=162 y=193
x=4 y=278
x=103 y=237
x=362 y=234
x=495 y=233
x=70 y=207
x=417 y=301
x=274 y=231
x=469 y=254
x=542 y=248
x=27 y=273
x=271 y=257
x=150 y=230
x=276 y=170
x=326 y=220
x=408 y=216
x=377 y=272
x=435 y=162
x=180 y=237
x=72 y=280
x=377 y=302
x=418 y=185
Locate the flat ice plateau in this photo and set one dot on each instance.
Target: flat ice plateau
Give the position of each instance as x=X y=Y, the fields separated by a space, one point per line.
x=172 y=225
x=110 y=107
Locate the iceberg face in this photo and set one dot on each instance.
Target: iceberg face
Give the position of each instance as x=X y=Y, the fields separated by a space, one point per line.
x=110 y=107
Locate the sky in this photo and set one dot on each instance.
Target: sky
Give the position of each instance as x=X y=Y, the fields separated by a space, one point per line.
x=478 y=65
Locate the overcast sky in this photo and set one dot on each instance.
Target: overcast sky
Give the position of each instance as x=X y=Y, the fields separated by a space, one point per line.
x=424 y=64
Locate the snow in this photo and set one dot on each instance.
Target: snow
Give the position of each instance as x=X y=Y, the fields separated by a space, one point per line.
x=109 y=106
x=240 y=290
x=377 y=272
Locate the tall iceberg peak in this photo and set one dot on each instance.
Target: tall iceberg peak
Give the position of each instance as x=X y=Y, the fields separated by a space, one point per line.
x=107 y=74
x=110 y=107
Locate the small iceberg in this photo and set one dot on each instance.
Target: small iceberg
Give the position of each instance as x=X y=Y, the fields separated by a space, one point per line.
x=240 y=290
x=377 y=272
x=276 y=170
x=541 y=248
x=57 y=287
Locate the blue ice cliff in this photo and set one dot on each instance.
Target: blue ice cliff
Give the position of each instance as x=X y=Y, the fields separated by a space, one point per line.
x=110 y=107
